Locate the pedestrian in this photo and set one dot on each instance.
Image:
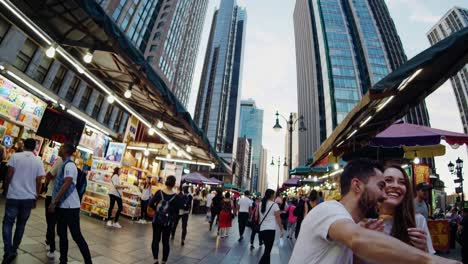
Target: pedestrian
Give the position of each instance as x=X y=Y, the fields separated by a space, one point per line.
x=66 y=205
x=166 y=206
x=463 y=231
x=420 y=202
x=255 y=223
x=216 y=208
x=115 y=196
x=51 y=217
x=292 y=220
x=311 y=202
x=269 y=219
x=209 y=201
x=320 y=195
x=299 y=213
x=24 y=177
x=226 y=215
x=283 y=215
x=184 y=212
x=145 y=197
x=11 y=152
x=243 y=209
x=330 y=233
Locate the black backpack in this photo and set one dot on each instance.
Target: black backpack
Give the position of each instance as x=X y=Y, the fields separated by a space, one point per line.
x=81 y=183
x=187 y=199
x=162 y=215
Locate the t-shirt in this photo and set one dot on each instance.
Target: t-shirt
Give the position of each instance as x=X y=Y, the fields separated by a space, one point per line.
x=291 y=218
x=313 y=244
x=27 y=168
x=245 y=203
x=269 y=220
x=209 y=199
x=421 y=208
x=146 y=193
x=115 y=181
x=57 y=166
x=73 y=200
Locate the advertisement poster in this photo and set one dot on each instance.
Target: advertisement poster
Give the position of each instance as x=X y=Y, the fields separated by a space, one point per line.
x=115 y=152
x=175 y=170
x=421 y=173
x=94 y=141
x=19 y=105
x=130 y=133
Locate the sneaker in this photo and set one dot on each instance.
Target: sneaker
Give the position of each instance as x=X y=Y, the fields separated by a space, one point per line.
x=109 y=223
x=182 y=243
x=143 y=221
x=51 y=255
x=252 y=247
x=240 y=239
x=117 y=225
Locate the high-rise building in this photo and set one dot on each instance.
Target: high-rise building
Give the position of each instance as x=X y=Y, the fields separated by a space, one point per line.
x=342 y=49
x=295 y=150
x=263 y=175
x=167 y=32
x=251 y=126
x=454 y=20
x=217 y=108
x=244 y=159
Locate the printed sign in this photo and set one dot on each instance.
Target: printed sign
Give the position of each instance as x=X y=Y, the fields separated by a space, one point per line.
x=421 y=173
x=132 y=127
x=94 y=141
x=115 y=152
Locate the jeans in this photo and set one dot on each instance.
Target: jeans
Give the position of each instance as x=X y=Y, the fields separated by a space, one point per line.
x=51 y=223
x=256 y=230
x=114 y=199
x=18 y=210
x=184 y=218
x=298 y=227
x=268 y=237
x=144 y=208
x=291 y=229
x=243 y=218
x=70 y=218
x=158 y=233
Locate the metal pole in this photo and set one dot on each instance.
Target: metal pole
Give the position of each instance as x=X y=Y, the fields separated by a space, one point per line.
x=460 y=176
x=291 y=123
x=277 y=183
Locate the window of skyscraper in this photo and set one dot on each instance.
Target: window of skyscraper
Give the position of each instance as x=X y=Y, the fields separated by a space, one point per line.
x=150 y=59
x=42 y=69
x=25 y=55
x=118 y=10
x=157 y=36
x=153 y=48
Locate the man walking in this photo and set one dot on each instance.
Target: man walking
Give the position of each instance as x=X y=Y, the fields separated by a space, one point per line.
x=66 y=202
x=50 y=217
x=25 y=172
x=420 y=202
x=243 y=209
x=184 y=212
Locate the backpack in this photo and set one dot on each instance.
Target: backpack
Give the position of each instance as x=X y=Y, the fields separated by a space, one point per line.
x=81 y=183
x=187 y=199
x=162 y=215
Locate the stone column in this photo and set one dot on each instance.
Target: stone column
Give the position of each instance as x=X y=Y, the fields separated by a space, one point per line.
x=79 y=93
x=123 y=124
x=92 y=101
x=66 y=84
x=102 y=112
x=51 y=74
x=113 y=117
x=11 y=44
x=35 y=62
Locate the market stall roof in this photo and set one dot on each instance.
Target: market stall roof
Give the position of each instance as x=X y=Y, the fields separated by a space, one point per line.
x=78 y=26
x=392 y=97
x=194 y=177
x=213 y=181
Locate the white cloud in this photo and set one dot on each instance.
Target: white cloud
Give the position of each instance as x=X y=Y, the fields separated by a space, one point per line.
x=424 y=18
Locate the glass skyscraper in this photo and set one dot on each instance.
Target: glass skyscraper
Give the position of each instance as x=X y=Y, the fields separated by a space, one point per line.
x=251 y=127
x=218 y=101
x=343 y=47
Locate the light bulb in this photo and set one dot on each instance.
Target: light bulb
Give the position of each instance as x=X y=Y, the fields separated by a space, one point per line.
x=212 y=166
x=110 y=99
x=179 y=153
x=188 y=149
x=88 y=57
x=168 y=156
x=160 y=124
x=336 y=166
x=170 y=145
x=50 y=52
x=146 y=152
x=79 y=69
x=151 y=131
x=416 y=160
x=128 y=93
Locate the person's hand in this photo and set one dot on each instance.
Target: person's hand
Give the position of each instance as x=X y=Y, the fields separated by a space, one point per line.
x=51 y=208
x=373 y=224
x=418 y=238
x=439 y=260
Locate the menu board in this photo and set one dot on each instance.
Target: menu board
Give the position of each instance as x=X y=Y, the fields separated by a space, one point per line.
x=421 y=173
x=19 y=105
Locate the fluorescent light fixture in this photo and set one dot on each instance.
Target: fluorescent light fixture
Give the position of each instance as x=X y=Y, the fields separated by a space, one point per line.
x=406 y=81
x=332 y=174
x=128 y=93
x=381 y=106
x=168 y=156
x=160 y=124
x=341 y=143
x=50 y=52
x=151 y=131
x=366 y=121
x=87 y=150
x=88 y=57
x=352 y=134
x=80 y=69
x=25 y=83
x=110 y=99
x=187 y=162
x=405 y=166
x=142 y=148
x=62 y=106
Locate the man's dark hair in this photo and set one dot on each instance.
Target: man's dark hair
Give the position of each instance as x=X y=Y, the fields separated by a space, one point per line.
x=29 y=144
x=360 y=169
x=68 y=148
x=170 y=181
x=320 y=194
x=247 y=193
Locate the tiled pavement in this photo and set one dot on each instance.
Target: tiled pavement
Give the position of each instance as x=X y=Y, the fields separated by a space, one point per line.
x=132 y=243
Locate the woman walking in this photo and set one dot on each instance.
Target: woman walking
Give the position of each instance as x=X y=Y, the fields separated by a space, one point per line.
x=311 y=203
x=115 y=195
x=166 y=206
x=225 y=216
x=291 y=219
x=254 y=219
x=269 y=219
x=145 y=196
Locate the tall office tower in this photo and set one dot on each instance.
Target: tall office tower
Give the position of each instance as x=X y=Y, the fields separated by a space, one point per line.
x=343 y=47
x=217 y=108
x=167 y=32
x=263 y=175
x=244 y=159
x=251 y=126
x=294 y=150
x=454 y=20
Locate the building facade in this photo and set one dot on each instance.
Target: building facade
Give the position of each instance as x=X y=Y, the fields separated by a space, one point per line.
x=263 y=179
x=295 y=150
x=167 y=32
x=218 y=102
x=244 y=159
x=251 y=126
x=342 y=49
x=454 y=20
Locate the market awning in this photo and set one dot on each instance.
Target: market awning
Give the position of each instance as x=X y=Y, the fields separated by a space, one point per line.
x=77 y=26
x=392 y=97
x=194 y=177
x=213 y=181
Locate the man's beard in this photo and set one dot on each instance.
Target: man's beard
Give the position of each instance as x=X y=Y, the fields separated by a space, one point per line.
x=368 y=205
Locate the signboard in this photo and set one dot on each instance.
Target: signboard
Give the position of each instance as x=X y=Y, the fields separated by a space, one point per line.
x=175 y=170
x=19 y=105
x=440 y=230
x=115 y=152
x=95 y=141
x=132 y=127
x=421 y=173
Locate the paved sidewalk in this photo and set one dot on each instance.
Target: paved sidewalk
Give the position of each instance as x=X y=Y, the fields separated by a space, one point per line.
x=132 y=244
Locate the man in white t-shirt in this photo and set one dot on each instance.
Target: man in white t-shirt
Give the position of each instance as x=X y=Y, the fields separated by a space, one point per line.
x=50 y=217
x=66 y=202
x=243 y=209
x=329 y=233
x=24 y=176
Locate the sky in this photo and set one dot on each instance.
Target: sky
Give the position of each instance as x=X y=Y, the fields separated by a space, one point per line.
x=269 y=68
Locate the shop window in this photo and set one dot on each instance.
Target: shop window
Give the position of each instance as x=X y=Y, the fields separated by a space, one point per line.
x=118 y=121
x=25 y=54
x=4 y=27
x=85 y=98
x=97 y=106
x=108 y=114
x=42 y=69
x=58 y=79
x=72 y=89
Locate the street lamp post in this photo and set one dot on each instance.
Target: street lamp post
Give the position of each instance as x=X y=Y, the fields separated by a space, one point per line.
x=458 y=171
x=279 y=163
x=291 y=125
